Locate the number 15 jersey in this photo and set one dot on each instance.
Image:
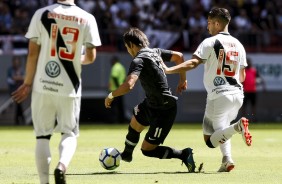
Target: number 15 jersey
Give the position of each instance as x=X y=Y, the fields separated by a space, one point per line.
x=61 y=30
x=223 y=56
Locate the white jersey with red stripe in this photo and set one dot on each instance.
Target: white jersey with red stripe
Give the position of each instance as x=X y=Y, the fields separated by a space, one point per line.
x=223 y=56
x=61 y=29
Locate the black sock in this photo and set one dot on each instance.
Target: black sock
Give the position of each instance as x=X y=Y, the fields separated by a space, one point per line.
x=163 y=152
x=131 y=140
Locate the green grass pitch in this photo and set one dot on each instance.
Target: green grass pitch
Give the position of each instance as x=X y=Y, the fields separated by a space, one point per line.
x=258 y=164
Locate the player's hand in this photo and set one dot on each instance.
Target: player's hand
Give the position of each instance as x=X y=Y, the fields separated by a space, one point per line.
x=21 y=93
x=108 y=102
x=182 y=86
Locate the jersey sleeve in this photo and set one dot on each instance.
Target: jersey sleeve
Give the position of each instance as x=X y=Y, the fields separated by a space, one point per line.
x=204 y=49
x=92 y=31
x=136 y=66
x=165 y=54
x=34 y=27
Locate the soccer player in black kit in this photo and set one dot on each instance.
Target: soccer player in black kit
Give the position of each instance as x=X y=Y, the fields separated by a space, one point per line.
x=159 y=108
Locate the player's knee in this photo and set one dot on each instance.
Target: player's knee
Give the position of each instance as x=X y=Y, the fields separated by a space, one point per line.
x=68 y=134
x=44 y=137
x=209 y=143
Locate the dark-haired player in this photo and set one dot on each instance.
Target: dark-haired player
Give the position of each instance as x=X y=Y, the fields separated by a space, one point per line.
x=158 y=109
x=224 y=58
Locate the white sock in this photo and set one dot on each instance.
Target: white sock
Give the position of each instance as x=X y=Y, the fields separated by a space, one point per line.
x=226 y=151
x=43 y=159
x=221 y=136
x=67 y=148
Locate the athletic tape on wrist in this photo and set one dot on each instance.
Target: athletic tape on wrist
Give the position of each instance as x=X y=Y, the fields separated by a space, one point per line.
x=110 y=95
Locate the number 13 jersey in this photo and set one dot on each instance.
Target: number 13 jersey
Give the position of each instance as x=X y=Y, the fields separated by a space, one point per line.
x=61 y=30
x=223 y=56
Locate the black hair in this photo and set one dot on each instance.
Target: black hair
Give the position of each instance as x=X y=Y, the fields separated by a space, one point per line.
x=220 y=14
x=135 y=36
x=249 y=62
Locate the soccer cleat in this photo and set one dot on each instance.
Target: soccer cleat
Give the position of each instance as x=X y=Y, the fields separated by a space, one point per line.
x=188 y=159
x=226 y=167
x=60 y=177
x=243 y=125
x=126 y=156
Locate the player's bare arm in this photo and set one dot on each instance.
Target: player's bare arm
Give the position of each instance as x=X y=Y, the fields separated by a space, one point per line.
x=23 y=91
x=242 y=75
x=177 y=58
x=186 y=66
x=124 y=88
x=90 y=55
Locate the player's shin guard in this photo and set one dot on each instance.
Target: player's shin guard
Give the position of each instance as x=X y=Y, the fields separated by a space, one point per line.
x=67 y=148
x=162 y=152
x=131 y=140
x=222 y=135
x=43 y=158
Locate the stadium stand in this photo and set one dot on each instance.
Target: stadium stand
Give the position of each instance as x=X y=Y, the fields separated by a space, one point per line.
x=255 y=22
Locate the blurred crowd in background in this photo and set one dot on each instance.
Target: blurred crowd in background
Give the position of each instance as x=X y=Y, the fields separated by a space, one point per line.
x=256 y=23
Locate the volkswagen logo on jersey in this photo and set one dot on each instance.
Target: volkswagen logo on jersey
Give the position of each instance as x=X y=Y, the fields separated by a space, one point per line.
x=218 y=81
x=52 y=69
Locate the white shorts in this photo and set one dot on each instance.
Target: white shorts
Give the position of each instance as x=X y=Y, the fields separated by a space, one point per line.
x=220 y=112
x=52 y=113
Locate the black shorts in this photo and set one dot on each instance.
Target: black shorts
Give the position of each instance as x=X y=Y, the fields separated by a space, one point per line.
x=250 y=97
x=159 y=120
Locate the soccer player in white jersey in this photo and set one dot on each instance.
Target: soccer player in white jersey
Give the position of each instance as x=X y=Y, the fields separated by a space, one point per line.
x=57 y=34
x=224 y=60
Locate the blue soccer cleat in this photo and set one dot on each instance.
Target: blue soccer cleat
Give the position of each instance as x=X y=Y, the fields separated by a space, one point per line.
x=188 y=159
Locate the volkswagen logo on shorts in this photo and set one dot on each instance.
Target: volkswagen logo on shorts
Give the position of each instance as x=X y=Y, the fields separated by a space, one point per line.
x=52 y=69
x=218 y=81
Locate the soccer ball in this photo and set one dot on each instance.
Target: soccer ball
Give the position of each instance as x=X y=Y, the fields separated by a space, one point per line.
x=110 y=158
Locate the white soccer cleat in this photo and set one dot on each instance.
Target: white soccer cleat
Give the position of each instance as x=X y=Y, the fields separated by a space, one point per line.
x=226 y=167
x=244 y=130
